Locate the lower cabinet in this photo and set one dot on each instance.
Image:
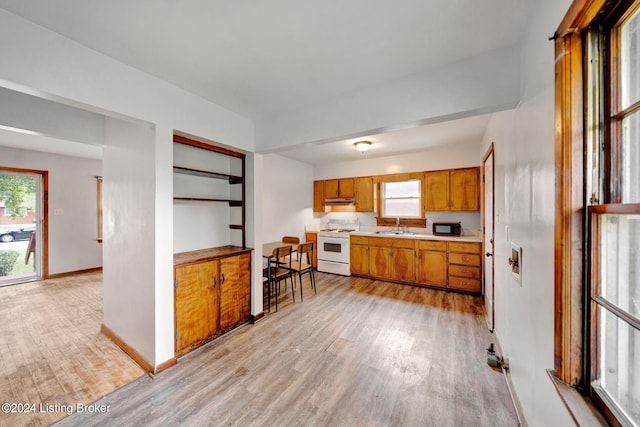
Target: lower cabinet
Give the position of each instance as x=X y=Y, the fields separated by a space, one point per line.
x=313 y=237
x=196 y=304
x=464 y=266
x=212 y=294
x=359 y=255
x=431 y=265
x=235 y=281
x=435 y=263
x=392 y=259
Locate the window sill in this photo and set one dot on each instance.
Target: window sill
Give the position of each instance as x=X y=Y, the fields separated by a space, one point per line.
x=581 y=409
x=404 y=222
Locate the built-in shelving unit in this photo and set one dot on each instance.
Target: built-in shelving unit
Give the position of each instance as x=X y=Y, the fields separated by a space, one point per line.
x=231 y=179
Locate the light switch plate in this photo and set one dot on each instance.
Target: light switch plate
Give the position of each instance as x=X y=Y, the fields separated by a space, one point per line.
x=58 y=211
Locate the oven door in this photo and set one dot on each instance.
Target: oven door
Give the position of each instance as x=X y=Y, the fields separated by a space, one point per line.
x=333 y=249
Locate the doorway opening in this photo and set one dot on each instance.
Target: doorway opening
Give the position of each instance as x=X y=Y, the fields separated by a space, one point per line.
x=23 y=244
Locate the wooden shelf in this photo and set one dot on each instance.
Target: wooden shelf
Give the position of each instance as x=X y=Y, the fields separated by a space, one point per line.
x=233 y=179
x=203 y=199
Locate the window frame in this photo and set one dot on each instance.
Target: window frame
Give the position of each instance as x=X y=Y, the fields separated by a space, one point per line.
x=383 y=198
x=381 y=220
x=575 y=338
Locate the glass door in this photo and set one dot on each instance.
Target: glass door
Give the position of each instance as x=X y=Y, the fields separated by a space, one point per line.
x=21 y=220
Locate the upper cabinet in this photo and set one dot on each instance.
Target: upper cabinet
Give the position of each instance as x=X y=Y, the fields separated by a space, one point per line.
x=364 y=194
x=449 y=190
x=455 y=190
x=436 y=191
x=465 y=194
x=359 y=188
x=334 y=188
x=318 y=196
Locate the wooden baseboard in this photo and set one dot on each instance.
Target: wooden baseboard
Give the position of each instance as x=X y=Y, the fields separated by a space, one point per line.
x=255 y=317
x=144 y=364
x=73 y=273
x=165 y=365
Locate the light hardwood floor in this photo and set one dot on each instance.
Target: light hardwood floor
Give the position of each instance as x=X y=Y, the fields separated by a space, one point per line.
x=359 y=353
x=52 y=351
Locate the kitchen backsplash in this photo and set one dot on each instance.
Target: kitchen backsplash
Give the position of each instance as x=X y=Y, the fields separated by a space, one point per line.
x=470 y=220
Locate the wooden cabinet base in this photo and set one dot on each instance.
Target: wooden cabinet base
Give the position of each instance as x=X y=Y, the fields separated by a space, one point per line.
x=212 y=294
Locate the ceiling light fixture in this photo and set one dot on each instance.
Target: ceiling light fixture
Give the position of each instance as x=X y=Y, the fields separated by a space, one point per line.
x=362 y=146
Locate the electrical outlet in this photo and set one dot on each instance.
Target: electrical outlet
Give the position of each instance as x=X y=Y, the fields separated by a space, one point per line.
x=58 y=211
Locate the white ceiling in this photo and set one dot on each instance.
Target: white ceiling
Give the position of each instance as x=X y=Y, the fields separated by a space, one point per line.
x=409 y=140
x=264 y=59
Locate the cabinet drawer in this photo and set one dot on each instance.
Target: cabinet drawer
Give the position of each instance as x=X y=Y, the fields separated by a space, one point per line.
x=464 y=271
x=464 y=259
x=359 y=240
x=311 y=237
x=463 y=283
x=431 y=245
x=403 y=243
x=391 y=242
x=468 y=247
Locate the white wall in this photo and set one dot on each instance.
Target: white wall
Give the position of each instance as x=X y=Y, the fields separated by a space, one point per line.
x=287 y=197
x=446 y=157
x=72 y=187
x=42 y=63
x=524 y=206
x=129 y=235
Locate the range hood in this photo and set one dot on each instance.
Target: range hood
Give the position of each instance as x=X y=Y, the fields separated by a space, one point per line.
x=340 y=201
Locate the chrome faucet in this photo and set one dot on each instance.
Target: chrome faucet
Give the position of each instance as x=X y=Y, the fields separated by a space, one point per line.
x=398 y=223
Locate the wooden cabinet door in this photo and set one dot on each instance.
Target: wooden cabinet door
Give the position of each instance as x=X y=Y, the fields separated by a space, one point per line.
x=364 y=194
x=465 y=192
x=403 y=263
x=436 y=191
x=346 y=188
x=380 y=262
x=235 y=291
x=432 y=268
x=331 y=188
x=318 y=196
x=196 y=304
x=313 y=237
x=359 y=259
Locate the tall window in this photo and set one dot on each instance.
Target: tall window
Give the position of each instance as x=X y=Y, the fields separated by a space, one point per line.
x=612 y=189
x=401 y=199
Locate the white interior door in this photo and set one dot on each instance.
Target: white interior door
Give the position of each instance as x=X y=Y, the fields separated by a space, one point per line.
x=488 y=168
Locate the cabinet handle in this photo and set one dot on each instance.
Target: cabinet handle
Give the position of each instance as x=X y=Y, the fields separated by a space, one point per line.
x=222 y=279
x=215 y=281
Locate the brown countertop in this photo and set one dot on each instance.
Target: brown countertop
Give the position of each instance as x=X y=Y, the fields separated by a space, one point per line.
x=199 y=255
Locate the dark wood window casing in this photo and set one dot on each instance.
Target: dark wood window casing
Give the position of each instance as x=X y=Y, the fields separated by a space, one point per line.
x=588 y=171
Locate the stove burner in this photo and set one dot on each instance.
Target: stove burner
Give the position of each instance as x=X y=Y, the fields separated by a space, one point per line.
x=346 y=230
x=328 y=229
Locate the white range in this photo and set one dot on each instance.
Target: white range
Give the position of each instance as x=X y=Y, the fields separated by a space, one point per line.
x=333 y=250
